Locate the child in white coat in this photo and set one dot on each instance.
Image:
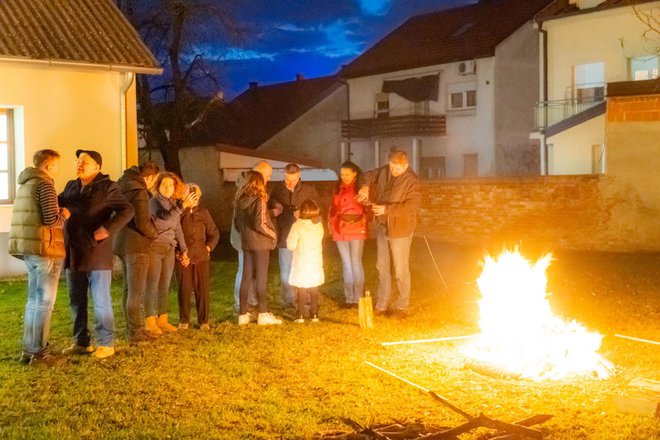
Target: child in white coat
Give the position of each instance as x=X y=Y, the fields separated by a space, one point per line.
x=305 y=241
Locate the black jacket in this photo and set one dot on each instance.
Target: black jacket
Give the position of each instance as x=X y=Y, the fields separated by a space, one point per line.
x=137 y=235
x=401 y=195
x=199 y=231
x=100 y=203
x=254 y=224
x=290 y=201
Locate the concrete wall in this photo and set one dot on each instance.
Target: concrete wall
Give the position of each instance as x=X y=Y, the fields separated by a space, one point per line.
x=586 y=213
x=315 y=135
x=570 y=152
x=516 y=92
x=63 y=109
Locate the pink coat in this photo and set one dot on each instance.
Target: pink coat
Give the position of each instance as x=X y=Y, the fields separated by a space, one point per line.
x=347 y=219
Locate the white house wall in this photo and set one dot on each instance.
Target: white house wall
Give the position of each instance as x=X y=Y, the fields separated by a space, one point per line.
x=612 y=37
x=316 y=134
x=62 y=109
x=570 y=151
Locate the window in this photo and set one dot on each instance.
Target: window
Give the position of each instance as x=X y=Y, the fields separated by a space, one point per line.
x=642 y=68
x=589 y=82
x=433 y=167
x=382 y=109
x=470 y=165
x=6 y=159
x=462 y=95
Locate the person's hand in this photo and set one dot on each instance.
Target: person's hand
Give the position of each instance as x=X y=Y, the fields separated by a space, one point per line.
x=378 y=209
x=208 y=249
x=185 y=260
x=65 y=213
x=363 y=194
x=191 y=200
x=101 y=234
x=277 y=210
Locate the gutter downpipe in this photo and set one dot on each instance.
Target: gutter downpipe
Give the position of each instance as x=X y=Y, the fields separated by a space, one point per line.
x=348 y=118
x=544 y=95
x=130 y=77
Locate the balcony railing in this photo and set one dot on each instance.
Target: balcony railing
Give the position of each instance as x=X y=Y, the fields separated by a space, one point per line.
x=394 y=126
x=552 y=112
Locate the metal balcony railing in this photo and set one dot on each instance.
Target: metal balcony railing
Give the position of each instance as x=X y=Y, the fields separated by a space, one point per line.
x=551 y=112
x=394 y=126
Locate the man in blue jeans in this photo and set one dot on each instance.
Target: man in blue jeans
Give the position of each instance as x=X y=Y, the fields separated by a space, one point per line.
x=395 y=196
x=36 y=236
x=98 y=212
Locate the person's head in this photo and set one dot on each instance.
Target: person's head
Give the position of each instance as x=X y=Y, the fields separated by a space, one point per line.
x=88 y=164
x=291 y=176
x=309 y=210
x=265 y=169
x=193 y=188
x=166 y=184
x=349 y=172
x=149 y=171
x=253 y=185
x=180 y=188
x=398 y=161
x=47 y=161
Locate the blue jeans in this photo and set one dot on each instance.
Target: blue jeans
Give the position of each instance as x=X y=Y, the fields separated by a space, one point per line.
x=43 y=276
x=98 y=282
x=399 y=251
x=159 y=276
x=135 y=268
x=288 y=292
x=252 y=295
x=352 y=269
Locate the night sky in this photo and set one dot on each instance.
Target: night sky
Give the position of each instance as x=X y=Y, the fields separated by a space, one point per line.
x=311 y=37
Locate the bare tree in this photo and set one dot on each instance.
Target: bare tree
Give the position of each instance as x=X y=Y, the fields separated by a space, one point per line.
x=187 y=37
x=650 y=17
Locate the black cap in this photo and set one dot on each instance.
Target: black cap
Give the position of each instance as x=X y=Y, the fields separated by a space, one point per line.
x=93 y=154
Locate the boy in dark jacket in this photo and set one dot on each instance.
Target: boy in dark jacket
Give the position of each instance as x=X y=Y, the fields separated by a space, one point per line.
x=201 y=236
x=133 y=242
x=98 y=211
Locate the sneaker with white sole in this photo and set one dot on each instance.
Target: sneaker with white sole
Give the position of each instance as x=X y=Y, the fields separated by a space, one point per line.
x=204 y=327
x=103 y=352
x=300 y=320
x=183 y=326
x=268 y=319
x=77 y=350
x=315 y=318
x=244 y=319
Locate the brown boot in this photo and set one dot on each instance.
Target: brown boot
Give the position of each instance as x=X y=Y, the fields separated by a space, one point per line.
x=151 y=327
x=164 y=325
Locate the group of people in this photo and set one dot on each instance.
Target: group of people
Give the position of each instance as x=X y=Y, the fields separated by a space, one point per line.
x=154 y=223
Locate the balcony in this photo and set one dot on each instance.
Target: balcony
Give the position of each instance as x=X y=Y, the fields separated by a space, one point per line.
x=394 y=126
x=549 y=113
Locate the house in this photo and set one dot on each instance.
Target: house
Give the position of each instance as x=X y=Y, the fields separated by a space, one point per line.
x=67 y=70
x=302 y=116
x=454 y=88
x=588 y=44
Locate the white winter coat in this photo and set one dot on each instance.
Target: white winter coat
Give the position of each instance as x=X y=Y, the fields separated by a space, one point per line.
x=305 y=240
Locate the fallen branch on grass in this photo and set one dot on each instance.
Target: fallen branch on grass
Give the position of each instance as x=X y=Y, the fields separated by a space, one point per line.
x=646 y=341
x=425 y=341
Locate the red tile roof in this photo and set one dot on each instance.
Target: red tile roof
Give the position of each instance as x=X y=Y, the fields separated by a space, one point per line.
x=91 y=32
x=261 y=112
x=562 y=8
x=446 y=36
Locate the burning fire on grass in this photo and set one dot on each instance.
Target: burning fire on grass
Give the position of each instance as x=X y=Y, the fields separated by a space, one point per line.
x=519 y=333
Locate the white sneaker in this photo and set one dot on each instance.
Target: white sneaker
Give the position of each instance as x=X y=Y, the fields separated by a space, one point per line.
x=268 y=319
x=315 y=318
x=300 y=320
x=244 y=319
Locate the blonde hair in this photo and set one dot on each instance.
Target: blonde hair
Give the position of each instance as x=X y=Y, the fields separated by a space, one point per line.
x=252 y=186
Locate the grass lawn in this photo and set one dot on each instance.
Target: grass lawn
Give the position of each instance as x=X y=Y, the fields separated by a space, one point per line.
x=297 y=380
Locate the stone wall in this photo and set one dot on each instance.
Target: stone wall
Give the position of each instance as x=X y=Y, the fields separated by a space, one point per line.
x=593 y=213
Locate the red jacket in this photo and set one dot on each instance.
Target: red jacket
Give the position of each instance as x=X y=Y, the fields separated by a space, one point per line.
x=347 y=218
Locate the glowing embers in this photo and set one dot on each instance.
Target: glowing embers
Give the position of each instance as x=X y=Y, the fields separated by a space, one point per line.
x=519 y=333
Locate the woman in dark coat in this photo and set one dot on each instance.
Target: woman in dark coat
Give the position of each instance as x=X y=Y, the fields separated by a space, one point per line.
x=258 y=238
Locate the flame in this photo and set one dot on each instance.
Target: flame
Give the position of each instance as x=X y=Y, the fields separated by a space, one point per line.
x=519 y=333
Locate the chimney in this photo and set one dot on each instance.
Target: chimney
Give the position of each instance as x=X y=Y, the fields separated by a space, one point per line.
x=253 y=85
x=300 y=77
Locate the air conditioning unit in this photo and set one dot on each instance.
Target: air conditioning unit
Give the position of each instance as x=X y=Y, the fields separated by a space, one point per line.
x=467 y=67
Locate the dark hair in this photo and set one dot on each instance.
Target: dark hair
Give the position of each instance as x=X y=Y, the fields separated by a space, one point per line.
x=42 y=156
x=163 y=176
x=398 y=156
x=149 y=168
x=253 y=185
x=309 y=210
x=353 y=167
x=291 y=168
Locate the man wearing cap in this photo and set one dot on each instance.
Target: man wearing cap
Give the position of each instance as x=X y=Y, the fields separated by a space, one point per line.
x=98 y=211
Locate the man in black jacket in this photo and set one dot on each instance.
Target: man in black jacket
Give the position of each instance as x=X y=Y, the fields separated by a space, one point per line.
x=132 y=245
x=98 y=211
x=284 y=202
x=395 y=196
